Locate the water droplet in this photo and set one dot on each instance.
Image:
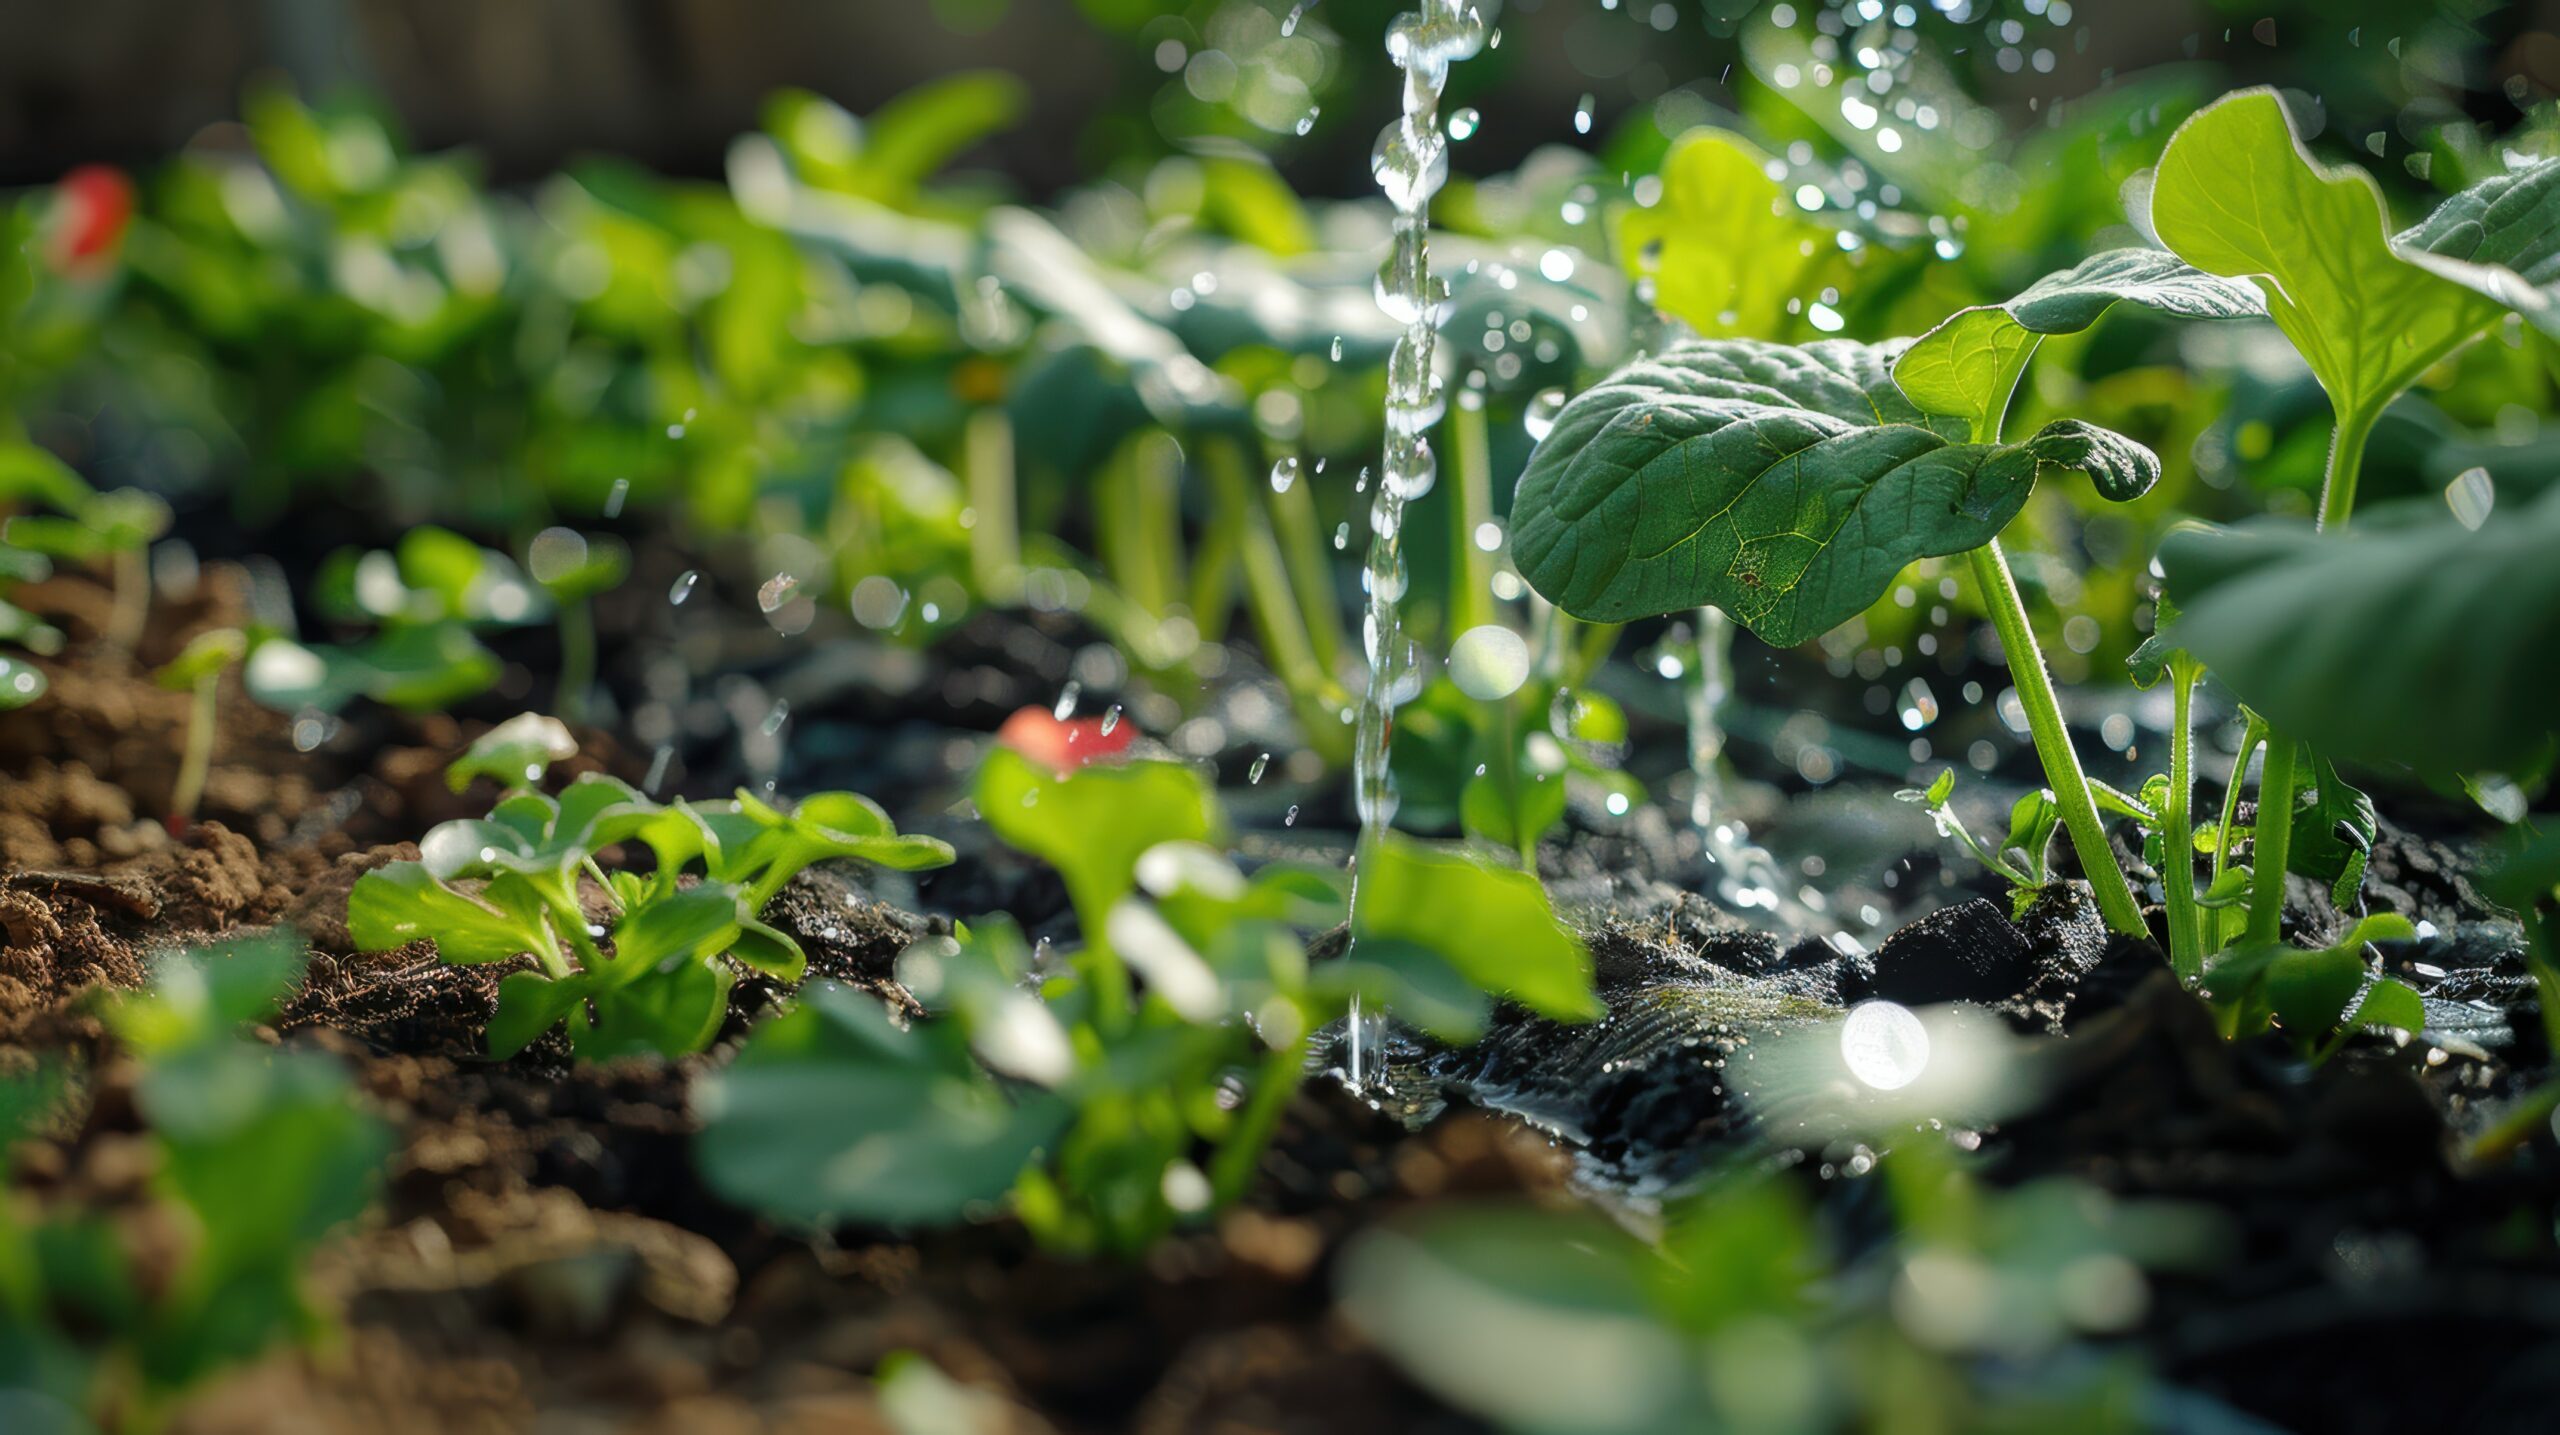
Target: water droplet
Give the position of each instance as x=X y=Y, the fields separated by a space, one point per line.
x=1260 y=766
x=1463 y=124
x=614 y=496
x=1284 y=475
x=1337 y=348
x=683 y=587
x=1110 y=720
x=2471 y=495
x=1065 y=707
x=1291 y=820
x=1539 y=418
x=1582 y=114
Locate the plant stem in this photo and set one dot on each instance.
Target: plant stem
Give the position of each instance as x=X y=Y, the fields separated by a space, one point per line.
x=995 y=534
x=2346 y=463
x=1286 y=644
x=1506 y=769
x=2178 y=834
x=198 y=760
x=1213 y=576
x=2272 y=849
x=2053 y=740
x=1232 y=1168
x=561 y=899
x=2253 y=734
x=1470 y=567
x=132 y=611
x=1293 y=521
x=577 y=660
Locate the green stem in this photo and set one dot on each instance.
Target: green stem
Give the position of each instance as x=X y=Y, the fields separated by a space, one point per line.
x=1159 y=498
x=1114 y=1001
x=132 y=611
x=1213 y=577
x=577 y=660
x=2253 y=733
x=198 y=761
x=1231 y=1169
x=2346 y=463
x=1470 y=567
x=559 y=897
x=1286 y=644
x=1506 y=768
x=995 y=532
x=2053 y=740
x=1302 y=549
x=2178 y=835
x=2271 y=850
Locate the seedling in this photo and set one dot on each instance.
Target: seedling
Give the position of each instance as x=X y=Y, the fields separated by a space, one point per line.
x=197 y=671
x=1091 y=1100
x=2319 y=998
x=573 y=568
x=117 y=527
x=2024 y=857
x=257 y=1155
x=495 y=889
x=423 y=599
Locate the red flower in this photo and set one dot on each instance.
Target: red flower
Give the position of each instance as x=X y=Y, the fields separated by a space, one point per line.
x=91 y=207
x=1064 y=744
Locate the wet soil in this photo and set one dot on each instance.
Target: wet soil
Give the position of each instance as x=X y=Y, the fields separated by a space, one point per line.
x=543 y=1255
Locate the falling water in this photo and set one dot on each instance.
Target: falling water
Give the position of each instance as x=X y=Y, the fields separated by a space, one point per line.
x=1410 y=162
x=1747 y=877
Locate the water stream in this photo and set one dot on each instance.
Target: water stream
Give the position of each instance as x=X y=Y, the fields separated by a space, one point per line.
x=1411 y=161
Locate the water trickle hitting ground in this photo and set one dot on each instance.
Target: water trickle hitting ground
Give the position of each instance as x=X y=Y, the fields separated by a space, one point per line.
x=1410 y=162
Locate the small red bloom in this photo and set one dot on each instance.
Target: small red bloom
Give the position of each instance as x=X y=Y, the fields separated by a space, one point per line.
x=92 y=206
x=1064 y=744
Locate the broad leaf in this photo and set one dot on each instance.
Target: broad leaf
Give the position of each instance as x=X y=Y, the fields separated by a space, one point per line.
x=403 y=903
x=2420 y=642
x=1969 y=365
x=1491 y=923
x=672 y=1011
x=1724 y=246
x=515 y=753
x=832 y=1112
x=1787 y=486
x=1093 y=824
x=529 y=1004
x=2237 y=195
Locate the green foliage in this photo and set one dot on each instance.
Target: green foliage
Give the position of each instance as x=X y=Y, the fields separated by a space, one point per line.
x=494 y=889
x=2417 y=642
x=259 y=1153
x=1725 y=247
x=514 y=754
x=2024 y=858
x=2319 y=998
x=1736 y=1321
x=1786 y=486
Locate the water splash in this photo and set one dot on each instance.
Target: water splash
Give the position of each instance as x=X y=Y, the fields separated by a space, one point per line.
x=1410 y=162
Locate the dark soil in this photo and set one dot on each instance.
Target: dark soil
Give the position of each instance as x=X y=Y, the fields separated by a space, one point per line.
x=544 y=1255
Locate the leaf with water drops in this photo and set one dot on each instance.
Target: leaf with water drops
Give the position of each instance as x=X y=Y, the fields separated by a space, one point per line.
x=1787 y=486
x=1724 y=247
x=1969 y=364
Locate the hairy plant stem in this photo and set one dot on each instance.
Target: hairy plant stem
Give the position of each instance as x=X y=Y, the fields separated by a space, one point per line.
x=2053 y=740
x=2271 y=850
x=2346 y=463
x=995 y=532
x=2178 y=835
x=2253 y=735
x=198 y=760
x=1231 y=1169
x=1470 y=567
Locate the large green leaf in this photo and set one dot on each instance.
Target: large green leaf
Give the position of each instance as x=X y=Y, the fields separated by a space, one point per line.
x=1784 y=485
x=1491 y=923
x=833 y=1112
x=1092 y=825
x=2420 y=642
x=2238 y=195
x=1970 y=364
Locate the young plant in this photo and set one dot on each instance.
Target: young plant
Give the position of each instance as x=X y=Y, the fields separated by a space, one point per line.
x=573 y=568
x=2024 y=857
x=423 y=598
x=1790 y=486
x=197 y=671
x=2369 y=311
x=655 y=977
x=116 y=527
x=256 y=1154
x=1092 y=1099
x=2319 y=998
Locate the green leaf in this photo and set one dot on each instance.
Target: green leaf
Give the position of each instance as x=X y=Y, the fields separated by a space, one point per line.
x=393 y=906
x=2334 y=825
x=204 y=656
x=29 y=474
x=1423 y=988
x=2391 y=1003
x=1093 y=824
x=2236 y=194
x=2417 y=642
x=673 y=1010
x=913 y=136
x=1491 y=923
x=832 y=1112
x=515 y=753
x=1969 y=364
x=1786 y=486
x=1725 y=247
x=683 y=928
x=529 y=1004
x=819 y=827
